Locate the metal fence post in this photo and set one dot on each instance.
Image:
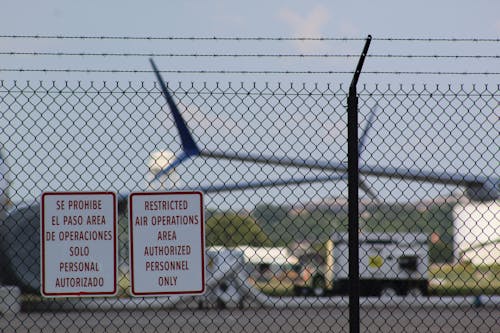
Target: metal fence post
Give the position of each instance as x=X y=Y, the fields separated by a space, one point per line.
x=353 y=183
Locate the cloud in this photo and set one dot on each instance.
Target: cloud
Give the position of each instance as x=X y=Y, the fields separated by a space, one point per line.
x=307 y=25
x=497 y=26
x=347 y=28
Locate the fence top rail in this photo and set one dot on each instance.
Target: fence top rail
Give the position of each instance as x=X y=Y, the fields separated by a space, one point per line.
x=246 y=88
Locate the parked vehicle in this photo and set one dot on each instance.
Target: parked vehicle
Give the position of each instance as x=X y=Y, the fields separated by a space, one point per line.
x=390 y=264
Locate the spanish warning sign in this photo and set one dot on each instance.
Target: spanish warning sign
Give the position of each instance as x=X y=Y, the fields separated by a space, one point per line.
x=78 y=244
x=167 y=243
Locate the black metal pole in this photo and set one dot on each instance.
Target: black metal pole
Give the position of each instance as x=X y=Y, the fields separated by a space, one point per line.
x=353 y=185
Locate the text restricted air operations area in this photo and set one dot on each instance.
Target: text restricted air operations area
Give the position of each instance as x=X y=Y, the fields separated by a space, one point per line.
x=79 y=243
x=167 y=243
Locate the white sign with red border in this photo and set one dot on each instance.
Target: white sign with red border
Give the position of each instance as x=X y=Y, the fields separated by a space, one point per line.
x=78 y=244
x=167 y=243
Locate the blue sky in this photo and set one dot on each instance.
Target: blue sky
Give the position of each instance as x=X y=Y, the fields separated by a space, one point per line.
x=427 y=18
x=389 y=18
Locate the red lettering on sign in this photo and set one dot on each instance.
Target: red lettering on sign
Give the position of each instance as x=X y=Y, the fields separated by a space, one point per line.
x=167 y=235
x=79 y=251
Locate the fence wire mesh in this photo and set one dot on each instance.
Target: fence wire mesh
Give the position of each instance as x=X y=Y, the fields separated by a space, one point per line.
x=276 y=253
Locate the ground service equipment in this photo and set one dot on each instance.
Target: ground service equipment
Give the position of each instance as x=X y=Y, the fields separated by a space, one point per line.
x=390 y=264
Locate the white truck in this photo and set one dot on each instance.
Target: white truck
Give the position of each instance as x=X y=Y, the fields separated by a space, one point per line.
x=389 y=264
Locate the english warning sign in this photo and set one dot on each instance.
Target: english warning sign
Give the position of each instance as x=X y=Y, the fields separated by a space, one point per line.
x=167 y=243
x=78 y=244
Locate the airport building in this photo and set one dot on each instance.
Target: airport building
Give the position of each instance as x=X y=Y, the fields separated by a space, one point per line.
x=477 y=231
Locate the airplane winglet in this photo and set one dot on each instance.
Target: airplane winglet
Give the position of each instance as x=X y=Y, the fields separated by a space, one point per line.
x=369 y=125
x=188 y=145
x=361 y=147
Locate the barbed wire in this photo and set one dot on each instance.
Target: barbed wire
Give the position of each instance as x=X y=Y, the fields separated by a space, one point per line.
x=243 y=55
x=175 y=71
x=216 y=38
x=229 y=55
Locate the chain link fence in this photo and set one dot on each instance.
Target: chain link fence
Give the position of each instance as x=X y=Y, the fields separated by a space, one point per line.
x=275 y=233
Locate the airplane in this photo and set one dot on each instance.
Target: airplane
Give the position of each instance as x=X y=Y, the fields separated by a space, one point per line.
x=479 y=188
x=19 y=229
